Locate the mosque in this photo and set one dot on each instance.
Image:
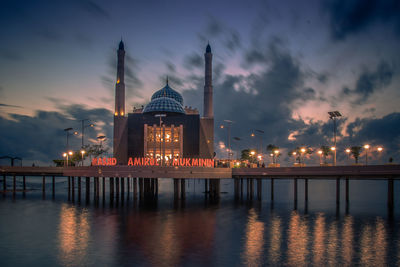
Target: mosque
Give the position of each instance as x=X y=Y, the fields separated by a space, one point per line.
x=164 y=129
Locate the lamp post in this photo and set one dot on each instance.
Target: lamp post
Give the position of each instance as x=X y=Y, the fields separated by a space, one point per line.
x=294 y=156
x=302 y=150
x=320 y=157
x=83 y=129
x=366 y=147
x=261 y=132
x=333 y=115
x=348 y=150
x=82 y=153
x=161 y=116
x=379 y=149
x=67 y=130
x=333 y=148
x=228 y=126
x=276 y=154
x=66 y=155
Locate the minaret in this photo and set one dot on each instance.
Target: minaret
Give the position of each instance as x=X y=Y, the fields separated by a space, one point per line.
x=120 y=139
x=120 y=85
x=208 y=89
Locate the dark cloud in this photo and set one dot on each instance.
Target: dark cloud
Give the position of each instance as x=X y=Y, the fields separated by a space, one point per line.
x=217 y=30
x=353 y=16
x=193 y=61
x=94 y=9
x=370 y=82
x=133 y=83
x=41 y=138
x=10 y=106
x=170 y=66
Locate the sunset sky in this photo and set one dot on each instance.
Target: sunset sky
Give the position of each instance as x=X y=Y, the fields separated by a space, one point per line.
x=279 y=67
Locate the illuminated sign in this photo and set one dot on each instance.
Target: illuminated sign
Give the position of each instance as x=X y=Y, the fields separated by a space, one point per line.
x=182 y=162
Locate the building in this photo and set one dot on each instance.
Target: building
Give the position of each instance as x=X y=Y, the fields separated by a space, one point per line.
x=164 y=129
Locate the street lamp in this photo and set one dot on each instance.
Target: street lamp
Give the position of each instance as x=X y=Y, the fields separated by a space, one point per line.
x=366 y=147
x=67 y=154
x=320 y=157
x=380 y=149
x=333 y=115
x=67 y=130
x=276 y=153
x=348 y=150
x=333 y=148
x=302 y=150
x=294 y=156
x=229 y=125
x=83 y=129
x=82 y=153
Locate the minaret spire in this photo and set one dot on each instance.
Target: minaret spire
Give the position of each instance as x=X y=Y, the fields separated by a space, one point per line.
x=208 y=88
x=120 y=85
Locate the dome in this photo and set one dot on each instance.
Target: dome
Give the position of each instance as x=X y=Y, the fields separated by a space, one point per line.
x=168 y=92
x=164 y=104
x=208 y=49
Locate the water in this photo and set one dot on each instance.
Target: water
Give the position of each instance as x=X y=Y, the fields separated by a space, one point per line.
x=57 y=232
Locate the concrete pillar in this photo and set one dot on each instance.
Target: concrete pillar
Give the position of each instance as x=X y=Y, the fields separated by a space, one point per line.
x=295 y=193
x=4 y=183
x=79 y=188
x=176 y=188
x=390 y=201
x=14 y=184
x=241 y=188
x=272 y=189
x=117 y=187
x=141 y=189
x=111 y=183
x=259 y=188
x=44 y=186
x=73 y=187
x=87 y=184
x=337 y=191
x=24 y=183
x=53 y=182
x=347 y=190
x=104 y=188
x=183 y=189
x=122 y=187
x=306 y=190
x=134 y=188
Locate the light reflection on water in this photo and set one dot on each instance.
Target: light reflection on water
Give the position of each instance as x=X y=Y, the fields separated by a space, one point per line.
x=193 y=233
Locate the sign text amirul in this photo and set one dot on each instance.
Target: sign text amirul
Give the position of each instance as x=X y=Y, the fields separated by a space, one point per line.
x=182 y=162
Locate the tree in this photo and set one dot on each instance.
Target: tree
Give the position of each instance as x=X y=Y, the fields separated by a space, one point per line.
x=326 y=150
x=299 y=152
x=246 y=155
x=274 y=151
x=355 y=152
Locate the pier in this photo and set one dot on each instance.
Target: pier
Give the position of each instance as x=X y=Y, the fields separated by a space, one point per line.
x=142 y=182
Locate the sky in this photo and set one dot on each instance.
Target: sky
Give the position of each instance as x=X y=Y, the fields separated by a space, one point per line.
x=278 y=67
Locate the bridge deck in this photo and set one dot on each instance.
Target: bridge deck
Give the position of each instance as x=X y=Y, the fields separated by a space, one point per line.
x=353 y=172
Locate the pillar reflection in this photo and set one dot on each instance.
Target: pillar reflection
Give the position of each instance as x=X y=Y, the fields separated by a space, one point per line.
x=275 y=240
x=73 y=236
x=347 y=241
x=319 y=240
x=373 y=245
x=332 y=245
x=253 y=250
x=297 y=240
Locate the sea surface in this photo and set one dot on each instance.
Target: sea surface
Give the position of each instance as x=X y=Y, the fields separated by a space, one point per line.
x=37 y=230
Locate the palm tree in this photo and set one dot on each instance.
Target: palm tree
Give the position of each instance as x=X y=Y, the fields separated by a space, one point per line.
x=355 y=151
x=326 y=150
x=274 y=151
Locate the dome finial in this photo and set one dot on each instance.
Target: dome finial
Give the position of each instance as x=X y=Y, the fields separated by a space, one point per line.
x=121 y=45
x=167 y=79
x=208 y=48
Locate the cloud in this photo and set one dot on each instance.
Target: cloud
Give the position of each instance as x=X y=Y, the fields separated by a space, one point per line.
x=353 y=16
x=94 y=9
x=193 y=61
x=10 y=106
x=370 y=82
x=41 y=138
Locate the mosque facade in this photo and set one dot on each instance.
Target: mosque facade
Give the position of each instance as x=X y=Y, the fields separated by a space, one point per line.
x=164 y=129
